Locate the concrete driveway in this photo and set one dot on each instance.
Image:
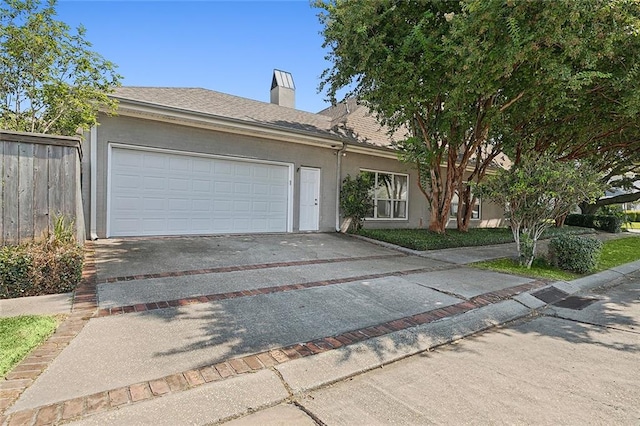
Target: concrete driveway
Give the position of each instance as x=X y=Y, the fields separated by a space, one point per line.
x=176 y=312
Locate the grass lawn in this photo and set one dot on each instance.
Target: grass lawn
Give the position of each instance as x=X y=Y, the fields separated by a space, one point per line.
x=539 y=269
x=614 y=253
x=423 y=239
x=619 y=251
x=19 y=335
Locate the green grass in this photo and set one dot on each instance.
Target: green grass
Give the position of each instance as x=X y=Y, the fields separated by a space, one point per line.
x=19 y=335
x=631 y=225
x=423 y=239
x=539 y=269
x=614 y=252
x=619 y=251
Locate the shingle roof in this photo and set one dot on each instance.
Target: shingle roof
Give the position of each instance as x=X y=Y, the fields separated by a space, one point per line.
x=357 y=122
x=346 y=120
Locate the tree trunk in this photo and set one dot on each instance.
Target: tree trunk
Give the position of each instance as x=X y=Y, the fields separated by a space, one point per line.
x=437 y=222
x=560 y=221
x=618 y=199
x=465 y=208
x=587 y=208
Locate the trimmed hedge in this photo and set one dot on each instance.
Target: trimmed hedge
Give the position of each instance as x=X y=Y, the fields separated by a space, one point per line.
x=606 y=223
x=573 y=253
x=40 y=267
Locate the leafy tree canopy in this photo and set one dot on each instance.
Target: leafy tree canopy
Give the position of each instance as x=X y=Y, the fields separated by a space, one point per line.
x=50 y=80
x=474 y=78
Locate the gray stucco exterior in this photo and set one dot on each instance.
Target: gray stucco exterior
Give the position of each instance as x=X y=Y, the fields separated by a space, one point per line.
x=186 y=132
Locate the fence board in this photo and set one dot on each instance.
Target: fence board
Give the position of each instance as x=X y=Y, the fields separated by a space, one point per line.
x=25 y=191
x=2 y=202
x=56 y=185
x=67 y=175
x=41 y=190
x=40 y=181
x=10 y=203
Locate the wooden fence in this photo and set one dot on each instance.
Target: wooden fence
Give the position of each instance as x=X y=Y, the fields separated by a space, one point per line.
x=40 y=182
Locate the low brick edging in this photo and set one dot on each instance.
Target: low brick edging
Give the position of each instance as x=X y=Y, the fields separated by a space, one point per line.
x=239 y=268
x=92 y=404
x=84 y=306
x=174 y=303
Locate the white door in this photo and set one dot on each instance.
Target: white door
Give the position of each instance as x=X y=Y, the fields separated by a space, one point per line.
x=309 y=199
x=166 y=193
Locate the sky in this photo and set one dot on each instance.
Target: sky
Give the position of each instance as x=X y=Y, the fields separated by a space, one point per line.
x=228 y=46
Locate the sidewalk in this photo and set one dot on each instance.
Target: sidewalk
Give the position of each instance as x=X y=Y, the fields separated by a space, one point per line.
x=258 y=343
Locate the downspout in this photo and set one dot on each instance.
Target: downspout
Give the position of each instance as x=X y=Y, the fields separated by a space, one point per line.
x=339 y=154
x=93 y=163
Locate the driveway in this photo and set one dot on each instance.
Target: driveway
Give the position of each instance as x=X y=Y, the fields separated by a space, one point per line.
x=193 y=309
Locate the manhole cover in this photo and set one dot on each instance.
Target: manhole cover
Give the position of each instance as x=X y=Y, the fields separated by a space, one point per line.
x=575 y=302
x=550 y=294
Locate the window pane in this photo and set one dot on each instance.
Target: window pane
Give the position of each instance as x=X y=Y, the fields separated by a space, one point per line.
x=370 y=176
x=369 y=214
x=400 y=188
x=454 y=210
x=384 y=209
x=400 y=209
x=384 y=188
x=476 y=211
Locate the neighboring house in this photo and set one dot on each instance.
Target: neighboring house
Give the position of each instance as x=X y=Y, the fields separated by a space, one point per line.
x=190 y=161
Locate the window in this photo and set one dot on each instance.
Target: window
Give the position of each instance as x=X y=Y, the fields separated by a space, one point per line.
x=389 y=195
x=475 y=214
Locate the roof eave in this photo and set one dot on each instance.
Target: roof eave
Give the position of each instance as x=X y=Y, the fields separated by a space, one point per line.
x=147 y=110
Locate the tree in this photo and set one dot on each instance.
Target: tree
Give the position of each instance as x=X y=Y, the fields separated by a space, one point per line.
x=597 y=118
x=536 y=192
x=467 y=79
x=50 y=81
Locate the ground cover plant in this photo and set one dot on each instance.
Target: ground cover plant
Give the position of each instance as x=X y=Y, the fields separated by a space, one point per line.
x=423 y=239
x=19 y=335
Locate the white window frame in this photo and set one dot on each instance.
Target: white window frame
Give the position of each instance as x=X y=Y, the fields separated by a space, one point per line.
x=453 y=213
x=375 y=201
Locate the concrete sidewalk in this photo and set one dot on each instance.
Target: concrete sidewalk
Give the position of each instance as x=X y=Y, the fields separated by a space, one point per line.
x=296 y=319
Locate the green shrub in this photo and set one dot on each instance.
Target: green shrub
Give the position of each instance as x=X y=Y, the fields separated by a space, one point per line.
x=607 y=223
x=47 y=266
x=355 y=198
x=573 y=253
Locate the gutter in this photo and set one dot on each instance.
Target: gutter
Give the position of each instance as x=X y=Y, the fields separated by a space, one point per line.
x=93 y=163
x=339 y=154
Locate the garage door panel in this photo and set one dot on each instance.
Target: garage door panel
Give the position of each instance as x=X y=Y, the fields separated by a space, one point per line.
x=151 y=160
x=155 y=193
x=199 y=185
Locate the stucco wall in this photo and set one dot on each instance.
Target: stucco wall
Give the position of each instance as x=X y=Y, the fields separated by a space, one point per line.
x=418 y=212
x=491 y=215
x=179 y=138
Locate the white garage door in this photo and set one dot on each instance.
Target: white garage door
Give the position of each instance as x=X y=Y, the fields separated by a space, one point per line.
x=159 y=193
